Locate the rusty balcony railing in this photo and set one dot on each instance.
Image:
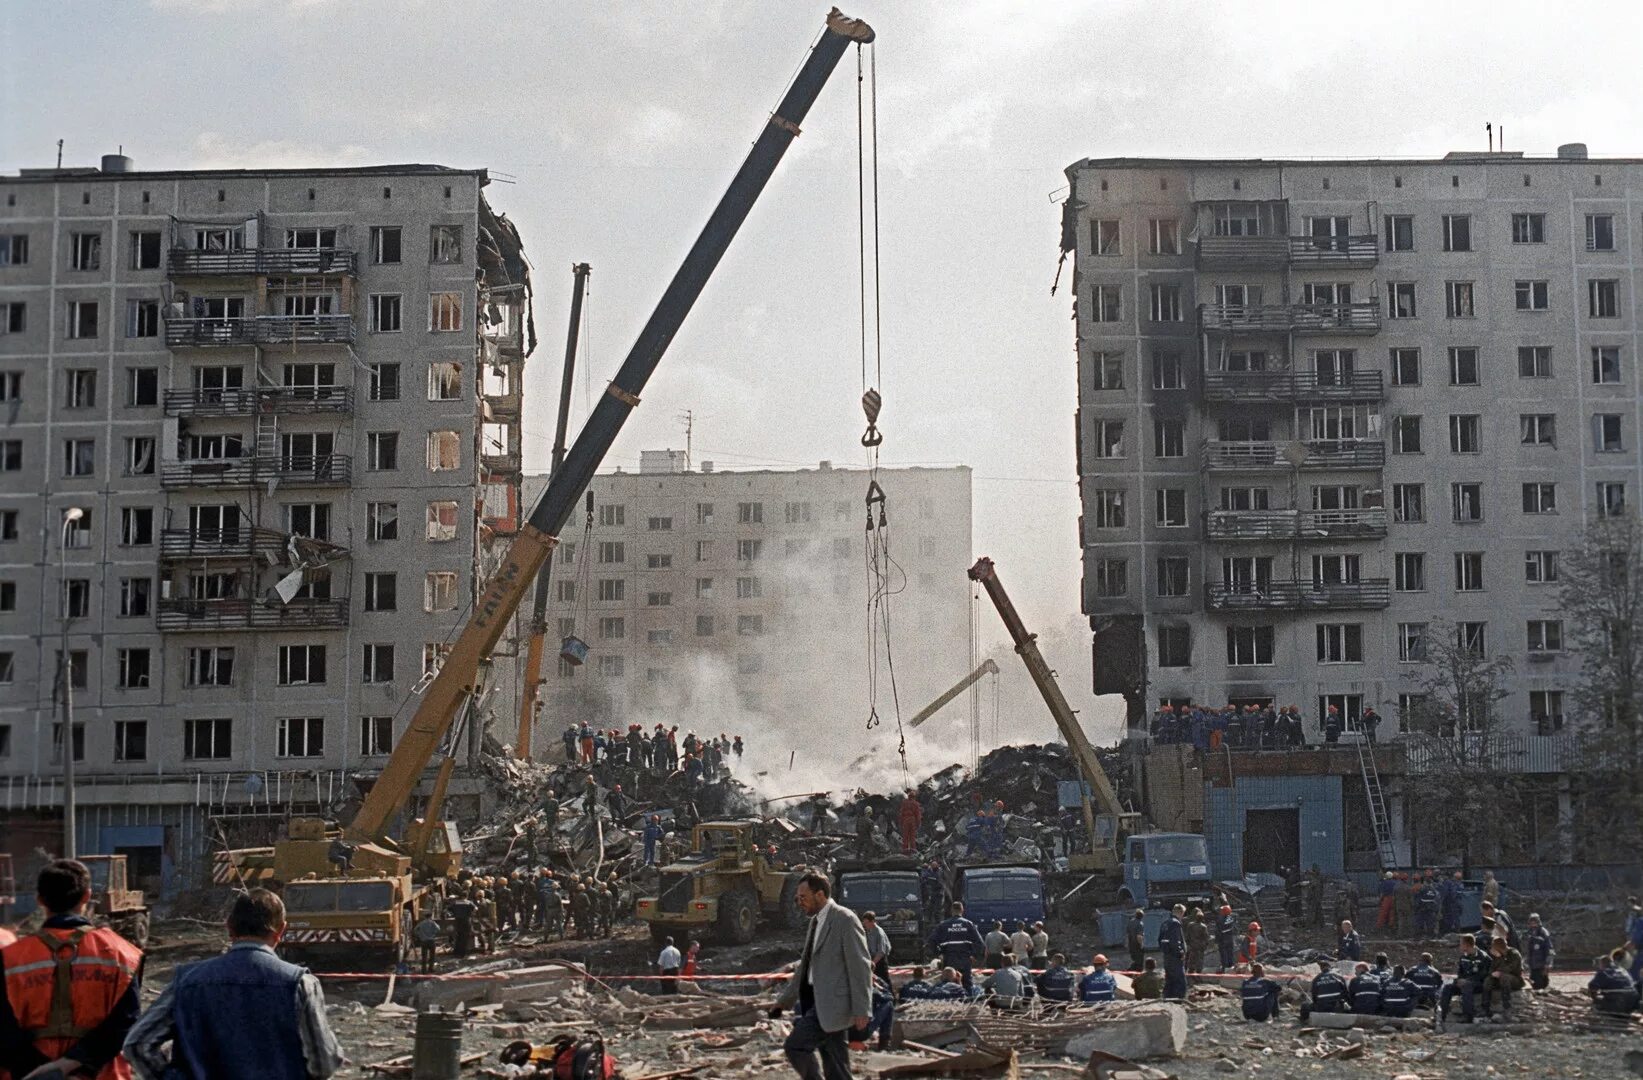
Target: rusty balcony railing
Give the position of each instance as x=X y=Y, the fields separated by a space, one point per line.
x=328 y=470
x=1232 y=456
x=260 y=330
x=189 y=614
x=1358 y=317
x=256 y=262
x=245 y=402
x=1293 y=385
x=1365 y=594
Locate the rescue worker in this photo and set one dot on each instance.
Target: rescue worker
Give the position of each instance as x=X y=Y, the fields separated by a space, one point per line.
x=864 y=832
x=653 y=833
x=1252 y=943
x=1333 y=725
x=1612 y=989
x=995 y=945
x=1364 y=991
x=818 y=813
x=957 y=941
x=1428 y=981
x=1328 y=992
x=1540 y=952
x=1135 y=938
x=569 y=739
x=1426 y=906
x=1505 y=977
x=1010 y=986
x=1398 y=995
x=1449 y=903
x=1098 y=987
x=71 y=989
x=1259 y=995
x=1056 y=982
x=1226 y=936
x=524 y=899
x=1386 y=912
x=485 y=918
x=1198 y=938
x=1351 y=944
x=504 y=905
x=917 y=988
x=1471 y=968
x=878 y=945
x=1172 y=942
x=460 y=909
x=426 y=935
x=581 y=911
x=1149 y=984
x=910 y=816
x=879 y=1021
x=1403 y=905
x=550 y=909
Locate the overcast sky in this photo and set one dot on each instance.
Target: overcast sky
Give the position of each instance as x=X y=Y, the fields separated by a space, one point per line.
x=620 y=123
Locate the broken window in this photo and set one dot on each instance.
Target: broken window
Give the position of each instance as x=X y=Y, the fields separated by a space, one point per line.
x=79 y=457
x=444 y=381
x=444 y=450
x=441 y=520
x=1175 y=646
x=86 y=250
x=210 y=666
x=1112 y=578
x=301 y=665
x=310 y=239
x=445 y=311
x=445 y=244
x=1171 y=508
x=382 y=591
x=1107 y=438
x=136 y=526
x=1603 y=299
x=1249 y=645
x=1457 y=232
x=220 y=239
x=385 y=313
x=1166 y=303
x=439 y=591
x=145 y=250
x=1463 y=366
x=382 y=521
x=1165 y=235
x=1106 y=305
x=1104 y=236
x=300 y=736
x=1173 y=574
x=142 y=318
x=376 y=735
x=135 y=594
x=385 y=244
x=1108 y=508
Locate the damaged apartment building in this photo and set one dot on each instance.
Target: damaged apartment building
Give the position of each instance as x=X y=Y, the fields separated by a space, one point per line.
x=1328 y=408
x=261 y=446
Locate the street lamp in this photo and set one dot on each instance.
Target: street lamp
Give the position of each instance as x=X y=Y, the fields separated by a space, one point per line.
x=66 y=666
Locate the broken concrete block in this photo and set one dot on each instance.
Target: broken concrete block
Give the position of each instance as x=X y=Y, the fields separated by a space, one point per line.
x=1146 y=1031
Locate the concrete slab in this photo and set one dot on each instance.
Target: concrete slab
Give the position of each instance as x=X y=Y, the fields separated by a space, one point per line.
x=1143 y=1033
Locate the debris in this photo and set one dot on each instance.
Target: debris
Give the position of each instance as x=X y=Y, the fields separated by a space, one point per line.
x=980 y=1061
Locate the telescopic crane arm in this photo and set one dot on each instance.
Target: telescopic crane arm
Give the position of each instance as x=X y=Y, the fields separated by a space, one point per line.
x=988 y=667
x=1027 y=646
x=458 y=677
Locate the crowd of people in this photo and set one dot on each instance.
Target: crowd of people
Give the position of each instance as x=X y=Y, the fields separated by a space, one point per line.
x=1253 y=727
x=661 y=751
x=471 y=911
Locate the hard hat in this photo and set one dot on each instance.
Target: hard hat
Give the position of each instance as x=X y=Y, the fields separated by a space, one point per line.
x=1226 y=909
x=1255 y=926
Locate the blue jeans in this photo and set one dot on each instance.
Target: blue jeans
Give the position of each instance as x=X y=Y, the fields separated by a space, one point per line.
x=806 y=1040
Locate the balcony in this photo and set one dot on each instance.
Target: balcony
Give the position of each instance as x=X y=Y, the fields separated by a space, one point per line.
x=1285 y=525
x=241 y=544
x=324 y=470
x=259 y=262
x=1333 y=251
x=1364 y=595
x=1221 y=456
x=188 y=614
x=260 y=330
x=1359 y=317
x=1293 y=385
x=1245 y=251
x=242 y=402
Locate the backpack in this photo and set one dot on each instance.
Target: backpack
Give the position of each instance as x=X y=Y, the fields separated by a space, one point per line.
x=582 y=1057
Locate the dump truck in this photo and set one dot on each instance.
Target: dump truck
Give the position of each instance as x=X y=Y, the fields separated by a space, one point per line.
x=122 y=908
x=359 y=917
x=889 y=888
x=724 y=889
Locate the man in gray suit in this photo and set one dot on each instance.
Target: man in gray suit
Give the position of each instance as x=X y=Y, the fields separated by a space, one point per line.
x=832 y=988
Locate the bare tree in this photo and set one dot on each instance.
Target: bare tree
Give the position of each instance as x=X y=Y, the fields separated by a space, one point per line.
x=1601 y=591
x=1459 y=804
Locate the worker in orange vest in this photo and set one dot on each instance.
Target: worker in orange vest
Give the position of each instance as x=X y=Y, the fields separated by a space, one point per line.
x=70 y=990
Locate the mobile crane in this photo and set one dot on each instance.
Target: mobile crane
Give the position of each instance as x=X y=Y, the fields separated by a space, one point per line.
x=304 y=860
x=988 y=667
x=1133 y=867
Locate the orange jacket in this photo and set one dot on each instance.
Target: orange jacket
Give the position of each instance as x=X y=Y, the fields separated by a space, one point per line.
x=99 y=965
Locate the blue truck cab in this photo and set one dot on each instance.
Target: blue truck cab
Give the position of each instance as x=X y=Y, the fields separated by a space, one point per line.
x=1013 y=894
x=1164 y=867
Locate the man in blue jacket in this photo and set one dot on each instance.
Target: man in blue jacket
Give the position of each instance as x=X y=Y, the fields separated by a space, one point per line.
x=244 y=1013
x=1351 y=945
x=957 y=941
x=1365 y=991
x=1099 y=987
x=1539 y=955
x=1259 y=995
x=1612 y=989
x=1398 y=995
x=1172 y=942
x=1328 y=992
x=1428 y=981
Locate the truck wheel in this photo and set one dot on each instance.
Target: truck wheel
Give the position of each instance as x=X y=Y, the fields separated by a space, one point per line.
x=791 y=917
x=738 y=918
x=133 y=926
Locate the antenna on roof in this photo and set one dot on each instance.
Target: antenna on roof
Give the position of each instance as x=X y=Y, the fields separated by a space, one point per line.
x=59 y=153
x=1490 y=128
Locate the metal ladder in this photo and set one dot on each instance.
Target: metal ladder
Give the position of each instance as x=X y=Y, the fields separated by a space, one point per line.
x=268 y=442
x=1378 y=816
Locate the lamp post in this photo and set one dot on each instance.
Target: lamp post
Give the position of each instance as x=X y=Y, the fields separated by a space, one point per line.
x=66 y=666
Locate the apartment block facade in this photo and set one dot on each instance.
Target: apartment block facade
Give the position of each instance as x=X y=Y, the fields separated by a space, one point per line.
x=737 y=601
x=1328 y=406
x=260 y=444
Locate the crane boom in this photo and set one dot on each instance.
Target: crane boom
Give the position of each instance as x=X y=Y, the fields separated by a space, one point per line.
x=1027 y=646
x=988 y=667
x=502 y=594
x=539 y=606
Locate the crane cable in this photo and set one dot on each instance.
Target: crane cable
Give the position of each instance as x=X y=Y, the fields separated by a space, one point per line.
x=882 y=569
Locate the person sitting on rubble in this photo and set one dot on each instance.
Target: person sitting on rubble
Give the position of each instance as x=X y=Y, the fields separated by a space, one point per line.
x=1259 y=995
x=1329 y=992
x=1382 y=967
x=1150 y=983
x=997 y=943
x=1428 y=982
x=879 y=1020
x=918 y=987
x=1471 y=968
x=1010 y=986
x=1398 y=994
x=1351 y=944
x=1505 y=978
x=1098 y=987
x=1056 y=983
x=1611 y=989
x=1364 y=991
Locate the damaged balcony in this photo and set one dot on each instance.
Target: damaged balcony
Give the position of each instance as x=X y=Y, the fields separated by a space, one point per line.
x=1357 y=317
x=260 y=330
x=190 y=614
x=1363 y=595
x=1227 y=456
x=242 y=402
x=1293 y=385
x=261 y=262
x=1354 y=524
x=325 y=470
x=246 y=543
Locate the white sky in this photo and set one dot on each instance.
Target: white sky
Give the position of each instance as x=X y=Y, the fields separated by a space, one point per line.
x=622 y=122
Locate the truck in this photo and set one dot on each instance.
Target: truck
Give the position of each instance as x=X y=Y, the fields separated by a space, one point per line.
x=1124 y=865
x=890 y=889
x=724 y=889
x=361 y=918
x=1008 y=893
x=112 y=902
